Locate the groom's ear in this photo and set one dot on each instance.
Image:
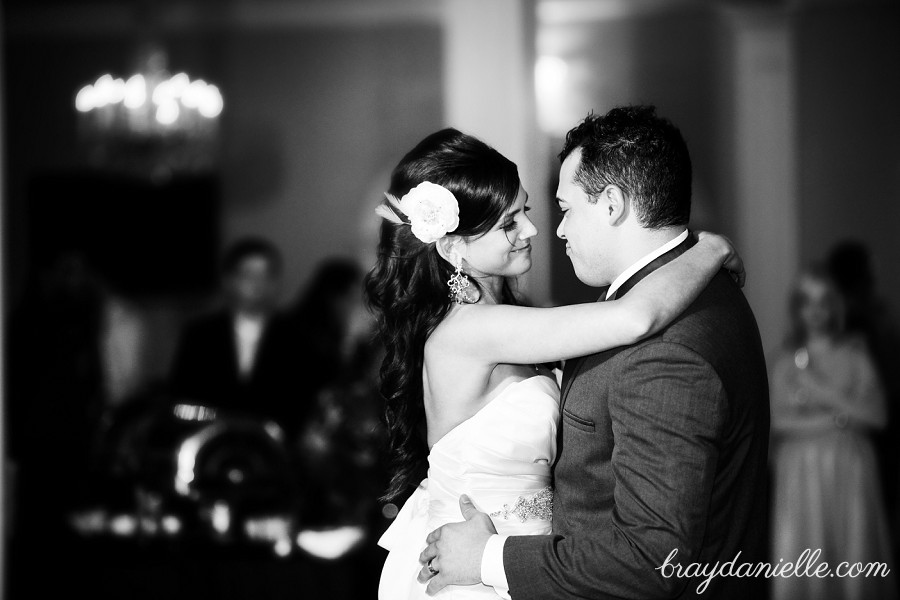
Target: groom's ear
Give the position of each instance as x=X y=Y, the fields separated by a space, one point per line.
x=616 y=203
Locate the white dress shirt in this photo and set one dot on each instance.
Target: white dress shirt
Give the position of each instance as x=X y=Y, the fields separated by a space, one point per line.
x=643 y=262
x=492 y=571
x=248 y=331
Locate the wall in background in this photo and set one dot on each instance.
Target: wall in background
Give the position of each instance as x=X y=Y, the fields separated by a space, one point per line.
x=320 y=106
x=849 y=134
x=315 y=118
x=795 y=145
x=316 y=121
x=666 y=60
x=313 y=122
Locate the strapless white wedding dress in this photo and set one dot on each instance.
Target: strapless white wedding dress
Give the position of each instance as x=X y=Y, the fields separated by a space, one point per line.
x=500 y=458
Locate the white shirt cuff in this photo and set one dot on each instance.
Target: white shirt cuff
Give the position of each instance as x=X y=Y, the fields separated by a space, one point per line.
x=492 y=571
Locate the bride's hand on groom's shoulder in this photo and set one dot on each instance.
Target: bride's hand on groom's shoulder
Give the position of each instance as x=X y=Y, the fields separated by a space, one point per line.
x=732 y=260
x=454 y=551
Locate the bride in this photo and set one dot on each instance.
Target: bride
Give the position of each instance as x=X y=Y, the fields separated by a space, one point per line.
x=470 y=396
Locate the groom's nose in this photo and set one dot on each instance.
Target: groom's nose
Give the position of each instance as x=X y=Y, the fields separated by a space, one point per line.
x=560 y=231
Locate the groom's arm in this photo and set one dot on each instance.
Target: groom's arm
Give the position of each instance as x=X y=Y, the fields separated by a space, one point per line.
x=667 y=407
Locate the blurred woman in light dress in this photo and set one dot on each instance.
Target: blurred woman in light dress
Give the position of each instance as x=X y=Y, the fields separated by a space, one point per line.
x=468 y=392
x=826 y=401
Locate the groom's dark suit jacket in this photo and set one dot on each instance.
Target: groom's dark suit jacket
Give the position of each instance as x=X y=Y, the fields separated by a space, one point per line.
x=662 y=447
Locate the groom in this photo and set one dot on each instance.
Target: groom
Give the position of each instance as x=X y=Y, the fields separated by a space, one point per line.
x=662 y=449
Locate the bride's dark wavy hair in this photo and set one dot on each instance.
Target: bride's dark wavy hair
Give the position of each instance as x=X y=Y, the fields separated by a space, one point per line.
x=407 y=289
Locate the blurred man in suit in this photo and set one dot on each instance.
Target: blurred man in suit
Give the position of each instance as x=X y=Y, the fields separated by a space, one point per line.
x=242 y=357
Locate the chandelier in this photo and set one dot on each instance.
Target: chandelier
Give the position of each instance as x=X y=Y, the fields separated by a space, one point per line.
x=153 y=122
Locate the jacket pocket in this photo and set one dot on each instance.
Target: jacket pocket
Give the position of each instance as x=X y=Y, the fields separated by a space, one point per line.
x=578 y=422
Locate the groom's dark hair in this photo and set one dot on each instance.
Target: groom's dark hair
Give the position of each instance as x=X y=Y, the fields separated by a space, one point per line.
x=641 y=153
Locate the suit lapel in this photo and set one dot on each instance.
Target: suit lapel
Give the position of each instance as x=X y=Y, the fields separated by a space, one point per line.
x=573 y=366
x=569 y=372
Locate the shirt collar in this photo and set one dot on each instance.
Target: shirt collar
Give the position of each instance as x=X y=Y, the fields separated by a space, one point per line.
x=646 y=260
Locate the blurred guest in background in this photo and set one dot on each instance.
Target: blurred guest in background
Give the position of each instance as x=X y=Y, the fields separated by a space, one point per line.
x=340 y=356
x=868 y=315
x=340 y=448
x=826 y=401
x=333 y=332
x=74 y=349
x=240 y=357
x=331 y=322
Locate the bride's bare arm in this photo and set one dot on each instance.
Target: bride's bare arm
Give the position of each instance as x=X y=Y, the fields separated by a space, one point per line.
x=524 y=335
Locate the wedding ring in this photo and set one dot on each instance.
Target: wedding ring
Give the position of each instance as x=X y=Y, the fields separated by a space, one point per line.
x=431 y=569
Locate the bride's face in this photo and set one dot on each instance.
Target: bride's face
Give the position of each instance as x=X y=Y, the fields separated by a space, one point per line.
x=506 y=249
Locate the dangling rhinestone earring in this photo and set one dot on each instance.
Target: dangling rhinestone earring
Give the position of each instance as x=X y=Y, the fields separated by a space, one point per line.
x=459 y=283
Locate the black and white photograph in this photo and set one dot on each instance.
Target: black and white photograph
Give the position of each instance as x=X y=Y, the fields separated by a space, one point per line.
x=452 y=299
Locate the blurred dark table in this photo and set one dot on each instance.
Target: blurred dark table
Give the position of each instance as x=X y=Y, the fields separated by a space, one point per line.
x=107 y=568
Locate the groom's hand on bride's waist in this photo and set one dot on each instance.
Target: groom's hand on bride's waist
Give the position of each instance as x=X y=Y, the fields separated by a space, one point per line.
x=454 y=550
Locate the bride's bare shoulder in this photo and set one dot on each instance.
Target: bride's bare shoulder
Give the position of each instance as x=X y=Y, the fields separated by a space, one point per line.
x=461 y=326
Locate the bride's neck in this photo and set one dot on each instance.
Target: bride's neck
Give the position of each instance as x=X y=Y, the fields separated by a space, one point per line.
x=493 y=289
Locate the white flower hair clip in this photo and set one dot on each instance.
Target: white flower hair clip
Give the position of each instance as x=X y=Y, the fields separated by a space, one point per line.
x=432 y=210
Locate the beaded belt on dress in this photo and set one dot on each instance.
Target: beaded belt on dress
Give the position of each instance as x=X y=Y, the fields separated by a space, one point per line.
x=538 y=505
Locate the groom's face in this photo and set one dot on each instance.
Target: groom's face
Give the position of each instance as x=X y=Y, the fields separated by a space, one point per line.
x=585 y=226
